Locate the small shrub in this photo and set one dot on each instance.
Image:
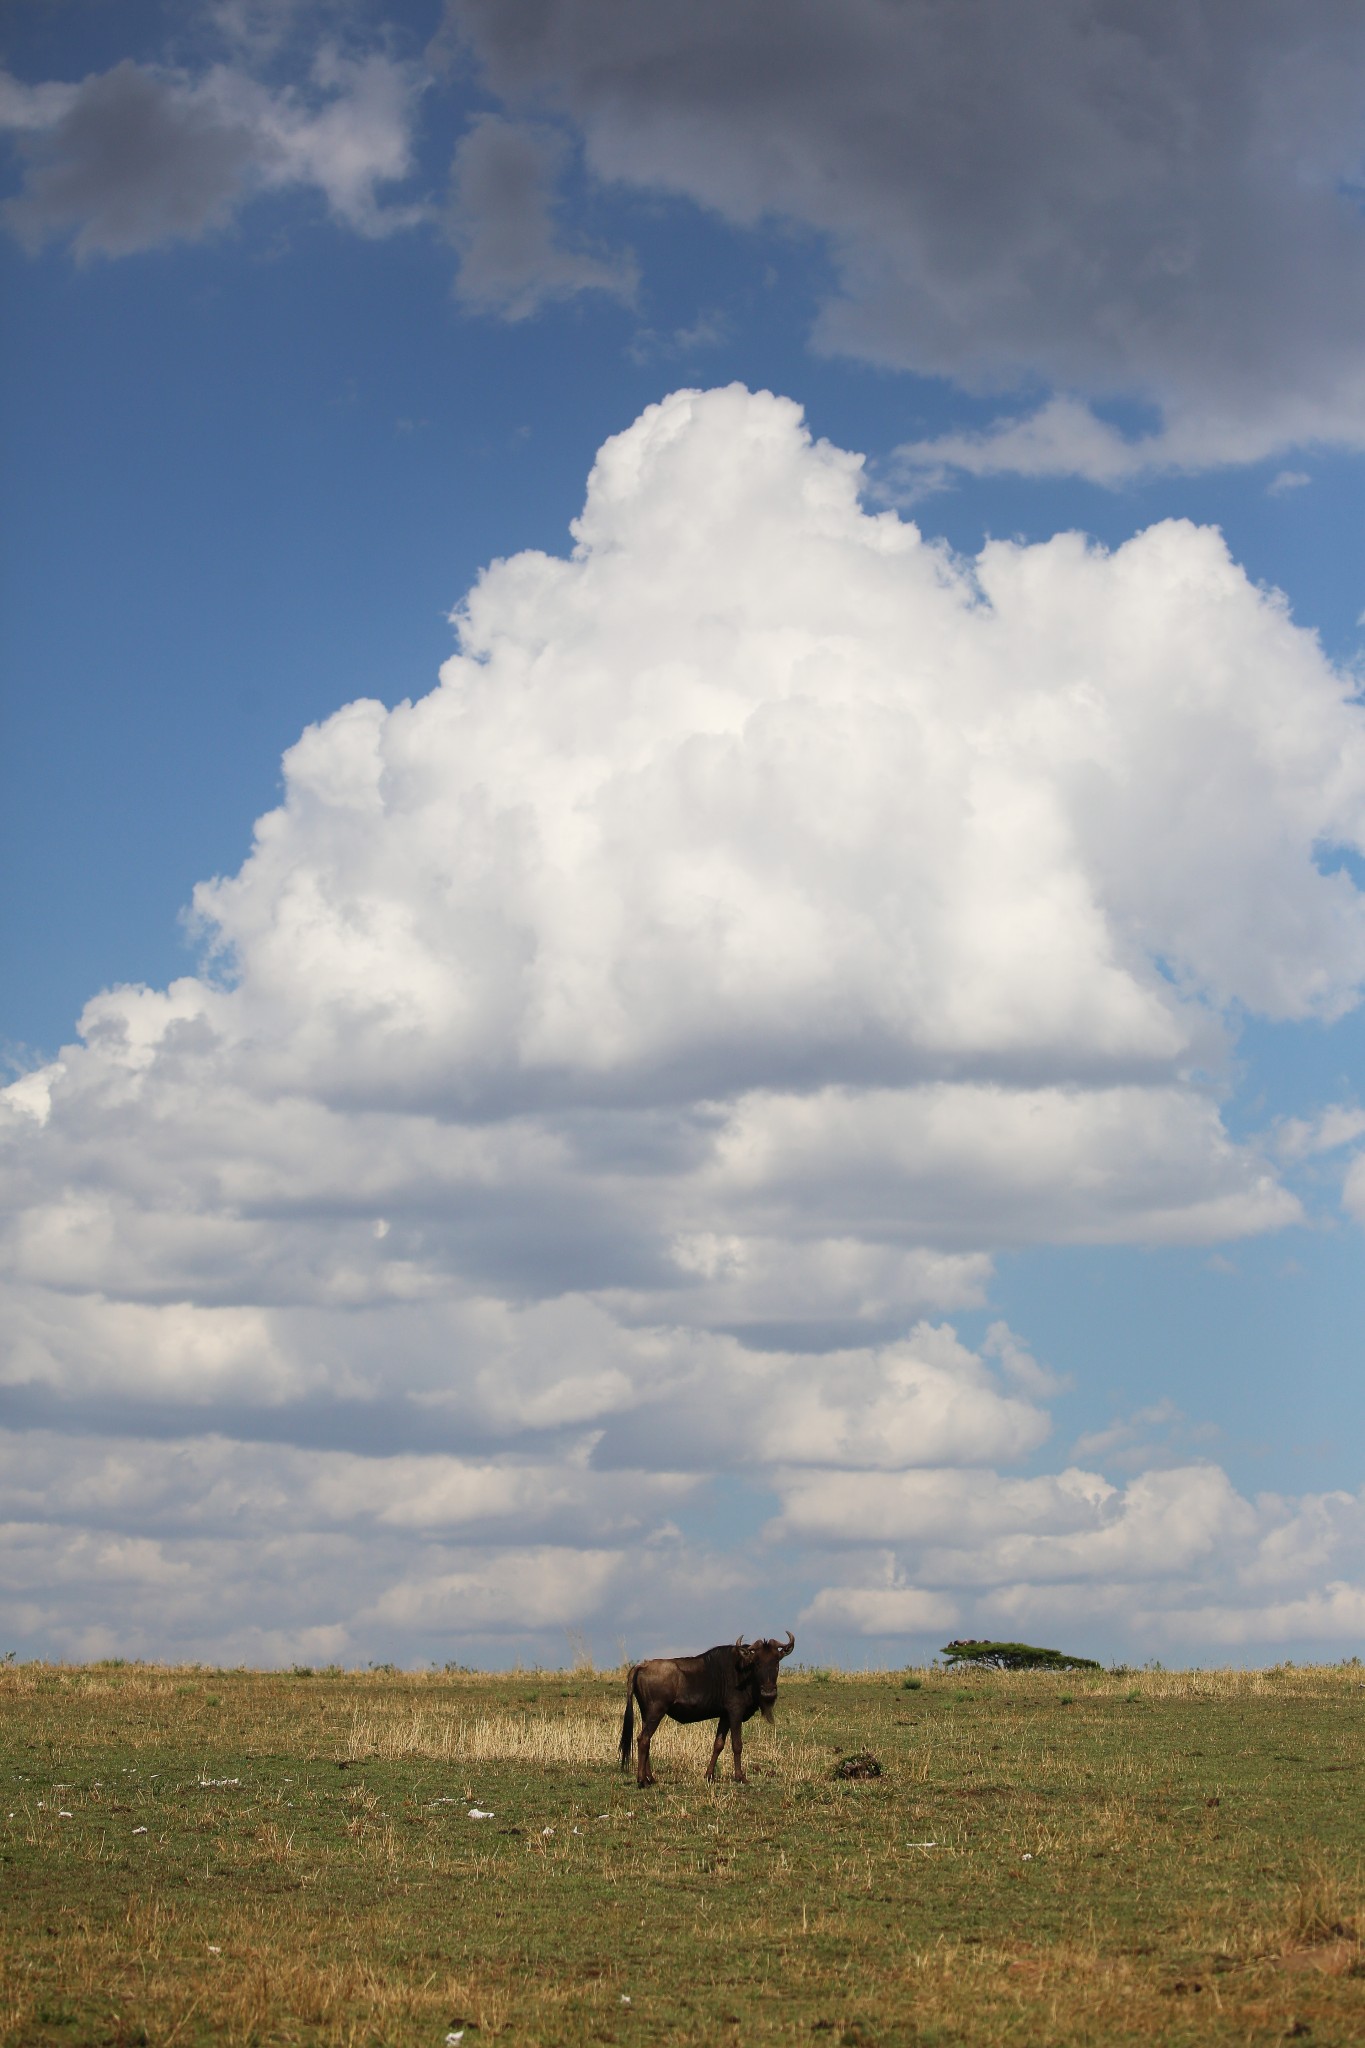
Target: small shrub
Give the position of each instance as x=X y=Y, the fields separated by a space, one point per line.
x=911 y=1684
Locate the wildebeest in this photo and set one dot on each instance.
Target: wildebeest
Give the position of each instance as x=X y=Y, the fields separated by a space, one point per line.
x=731 y=1683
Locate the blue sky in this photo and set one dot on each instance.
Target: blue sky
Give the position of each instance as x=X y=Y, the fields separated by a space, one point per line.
x=892 y=997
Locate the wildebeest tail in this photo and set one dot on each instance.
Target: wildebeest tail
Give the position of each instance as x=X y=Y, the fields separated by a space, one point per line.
x=628 y=1724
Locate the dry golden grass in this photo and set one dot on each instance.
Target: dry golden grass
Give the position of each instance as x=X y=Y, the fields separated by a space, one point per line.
x=577 y=1740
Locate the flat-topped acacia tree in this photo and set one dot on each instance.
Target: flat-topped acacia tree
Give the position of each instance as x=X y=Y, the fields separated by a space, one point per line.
x=1015 y=1657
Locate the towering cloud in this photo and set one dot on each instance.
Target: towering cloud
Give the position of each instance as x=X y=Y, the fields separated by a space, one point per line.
x=610 y=1069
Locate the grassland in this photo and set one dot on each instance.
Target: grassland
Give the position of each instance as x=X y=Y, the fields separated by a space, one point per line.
x=201 y=1856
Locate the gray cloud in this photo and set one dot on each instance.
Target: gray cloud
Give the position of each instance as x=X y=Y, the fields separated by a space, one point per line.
x=1116 y=198
x=513 y=259
x=131 y=162
x=142 y=155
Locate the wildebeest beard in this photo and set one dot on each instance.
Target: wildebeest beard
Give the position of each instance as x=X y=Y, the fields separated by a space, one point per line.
x=765 y=1707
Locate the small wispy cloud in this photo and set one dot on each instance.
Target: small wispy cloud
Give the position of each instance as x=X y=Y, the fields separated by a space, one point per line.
x=709 y=330
x=1160 y=1434
x=1304 y=1137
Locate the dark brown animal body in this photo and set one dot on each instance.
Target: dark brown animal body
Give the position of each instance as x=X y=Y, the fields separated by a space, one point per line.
x=732 y=1683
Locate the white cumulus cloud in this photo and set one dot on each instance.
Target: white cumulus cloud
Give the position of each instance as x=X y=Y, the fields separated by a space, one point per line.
x=618 y=1063
x=1178 y=1558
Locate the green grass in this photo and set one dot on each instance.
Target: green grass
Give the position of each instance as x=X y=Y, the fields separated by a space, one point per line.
x=1171 y=1856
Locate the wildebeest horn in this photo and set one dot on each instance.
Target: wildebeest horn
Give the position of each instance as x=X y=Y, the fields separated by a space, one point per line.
x=739 y=1642
x=788 y=1646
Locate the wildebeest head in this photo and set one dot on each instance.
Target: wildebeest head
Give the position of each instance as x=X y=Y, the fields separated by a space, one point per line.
x=762 y=1659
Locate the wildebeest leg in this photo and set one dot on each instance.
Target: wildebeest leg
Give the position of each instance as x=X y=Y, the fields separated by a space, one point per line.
x=649 y=1721
x=737 y=1747
x=717 y=1746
